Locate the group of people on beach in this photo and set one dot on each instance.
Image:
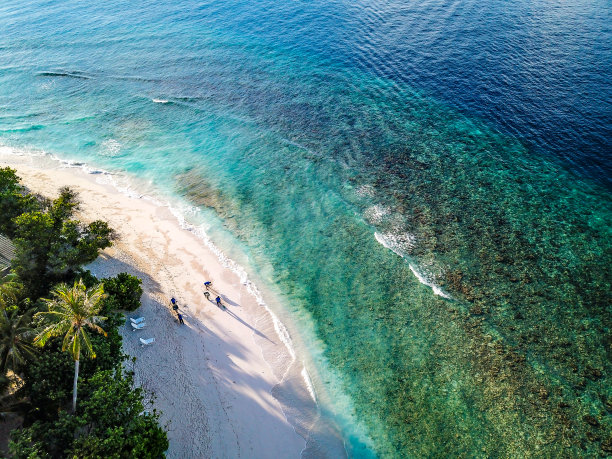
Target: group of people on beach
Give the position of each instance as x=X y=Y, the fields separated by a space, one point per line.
x=208 y=285
x=175 y=307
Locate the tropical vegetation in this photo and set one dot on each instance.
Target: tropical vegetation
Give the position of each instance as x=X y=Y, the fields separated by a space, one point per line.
x=72 y=311
x=59 y=325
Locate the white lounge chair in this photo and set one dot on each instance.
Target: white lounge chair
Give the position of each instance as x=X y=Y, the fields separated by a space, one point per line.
x=147 y=341
x=138 y=326
x=137 y=320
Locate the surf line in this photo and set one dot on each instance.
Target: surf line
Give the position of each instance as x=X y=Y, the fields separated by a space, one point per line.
x=422 y=279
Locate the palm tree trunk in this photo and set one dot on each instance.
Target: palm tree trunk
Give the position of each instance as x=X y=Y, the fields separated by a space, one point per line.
x=74 y=388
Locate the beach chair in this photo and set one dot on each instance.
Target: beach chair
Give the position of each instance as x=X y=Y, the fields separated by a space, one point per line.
x=137 y=320
x=138 y=326
x=146 y=342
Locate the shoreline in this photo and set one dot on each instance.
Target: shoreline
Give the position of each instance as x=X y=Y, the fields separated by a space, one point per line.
x=226 y=382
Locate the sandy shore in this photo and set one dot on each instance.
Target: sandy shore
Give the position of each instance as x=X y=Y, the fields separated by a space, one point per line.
x=210 y=377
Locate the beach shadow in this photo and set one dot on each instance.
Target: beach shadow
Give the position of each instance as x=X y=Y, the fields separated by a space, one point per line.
x=228 y=301
x=257 y=332
x=118 y=266
x=214 y=293
x=219 y=368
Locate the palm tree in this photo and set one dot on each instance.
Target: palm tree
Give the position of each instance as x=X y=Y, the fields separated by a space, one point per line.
x=15 y=331
x=15 y=339
x=16 y=346
x=72 y=310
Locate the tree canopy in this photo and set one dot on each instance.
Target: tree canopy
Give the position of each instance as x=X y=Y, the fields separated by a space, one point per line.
x=124 y=290
x=14 y=200
x=112 y=419
x=51 y=247
x=111 y=422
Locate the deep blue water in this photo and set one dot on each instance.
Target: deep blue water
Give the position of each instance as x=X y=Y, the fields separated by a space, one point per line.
x=428 y=183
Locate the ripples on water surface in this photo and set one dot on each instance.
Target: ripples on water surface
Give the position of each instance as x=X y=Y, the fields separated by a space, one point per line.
x=429 y=182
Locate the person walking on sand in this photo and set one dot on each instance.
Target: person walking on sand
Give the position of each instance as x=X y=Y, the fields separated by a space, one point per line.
x=207 y=295
x=218 y=300
x=207 y=284
x=180 y=318
x=174 y=305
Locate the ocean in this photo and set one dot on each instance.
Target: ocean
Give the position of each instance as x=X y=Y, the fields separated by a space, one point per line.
x=424 y=188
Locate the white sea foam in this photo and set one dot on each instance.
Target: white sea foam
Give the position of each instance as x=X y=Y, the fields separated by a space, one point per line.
x=365 y=190
x=47 y=85
x=309 y=385
x=53 y=160
x=376 y=214
x=437 y=290
x=160 y=101
x=398 y=243
x=180 y=211
x=110 y=147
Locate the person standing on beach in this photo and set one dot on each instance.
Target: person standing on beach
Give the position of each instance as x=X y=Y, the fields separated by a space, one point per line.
x=218 y=300
x=180 y=318
x=174 y=305
x=207 y=295
x=207 y=284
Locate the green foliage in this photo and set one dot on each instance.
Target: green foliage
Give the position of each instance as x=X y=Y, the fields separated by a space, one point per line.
x=117 y=424
x=72 y=310
x=24 y=446
x=50 y=247
x=49 y=378
x=48 y=381
x=16 y=336
x=62 y=208
x=124 y=292
x=13 y=200
x=10 y=291
x=95 y=237
x=88 y=278
x=111 y=422
x=108 y=352
x=32 y=246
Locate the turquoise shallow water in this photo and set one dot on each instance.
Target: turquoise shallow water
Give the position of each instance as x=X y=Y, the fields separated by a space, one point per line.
x=430 y=190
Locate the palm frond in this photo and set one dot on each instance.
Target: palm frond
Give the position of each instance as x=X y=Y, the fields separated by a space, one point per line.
x=70 y=309
x=50 y=331
x=15 y=340
x=69 y=337
x=95 y=327
x=88 y=347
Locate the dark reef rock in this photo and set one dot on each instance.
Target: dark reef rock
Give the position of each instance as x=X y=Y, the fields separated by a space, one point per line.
x=592 y=437
x=593 y=373
x=592 y=420
x=606 y=445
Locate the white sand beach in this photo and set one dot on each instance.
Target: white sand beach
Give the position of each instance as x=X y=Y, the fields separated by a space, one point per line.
x=209 y=376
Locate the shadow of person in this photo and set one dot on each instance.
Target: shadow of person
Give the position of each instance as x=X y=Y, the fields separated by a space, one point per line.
x=257 y=332
x=228 y=301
